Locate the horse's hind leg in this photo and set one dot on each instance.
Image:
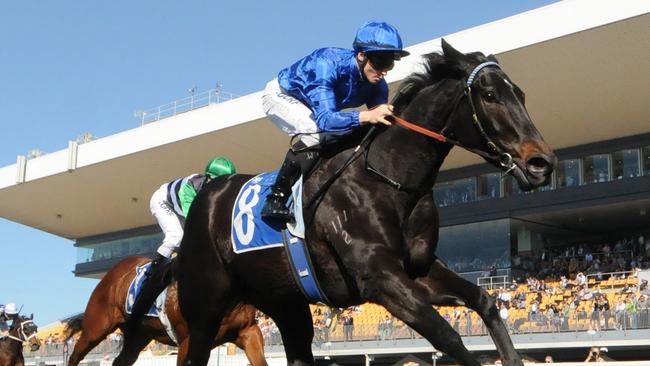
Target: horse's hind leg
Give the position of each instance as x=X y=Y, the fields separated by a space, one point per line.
x=251 y=341
x=294 y=321
x=448 y=288
x=91 y=334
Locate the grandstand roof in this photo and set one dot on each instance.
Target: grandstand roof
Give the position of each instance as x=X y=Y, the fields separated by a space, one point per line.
x=582 y=64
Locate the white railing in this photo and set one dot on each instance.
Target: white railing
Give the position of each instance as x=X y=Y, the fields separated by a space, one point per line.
x=187 y=104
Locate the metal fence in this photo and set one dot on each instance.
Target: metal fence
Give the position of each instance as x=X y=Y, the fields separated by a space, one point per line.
x=192 y=102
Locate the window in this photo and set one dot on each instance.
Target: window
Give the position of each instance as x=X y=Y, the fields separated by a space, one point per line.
x=455 y=192
x=596 y=168
x=568 y=173
x=142 y=244
x=476 y=246
x=488 y=186
x=511 y=187
x=625 y=164
x=646 y=160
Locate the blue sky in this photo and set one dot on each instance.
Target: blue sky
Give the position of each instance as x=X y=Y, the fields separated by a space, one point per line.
x=70 y=67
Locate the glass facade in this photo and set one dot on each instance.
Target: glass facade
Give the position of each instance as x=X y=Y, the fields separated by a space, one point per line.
x=645 y=154
x=595 y=168
x=511 y=187
x=567 y=173
x=503 y=243
x=475 y=246
x=488 y=186
x=136 y=245
x=598 y=168
x=455 y=192
x=625 y=164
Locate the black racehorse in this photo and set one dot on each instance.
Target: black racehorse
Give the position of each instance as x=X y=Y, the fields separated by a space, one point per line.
x=23 y=330
x=373 y=233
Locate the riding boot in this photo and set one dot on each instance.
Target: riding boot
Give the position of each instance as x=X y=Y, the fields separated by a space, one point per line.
x=155 y=264
x=275 y=206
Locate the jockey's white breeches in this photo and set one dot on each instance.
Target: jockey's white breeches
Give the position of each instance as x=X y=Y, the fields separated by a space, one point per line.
x=289 y=114
x=169 y=221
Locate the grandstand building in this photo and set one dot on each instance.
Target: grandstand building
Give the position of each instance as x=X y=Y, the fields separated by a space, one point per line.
x=583 y=66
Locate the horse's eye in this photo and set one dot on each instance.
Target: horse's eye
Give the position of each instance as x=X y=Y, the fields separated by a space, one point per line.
x=490 y=96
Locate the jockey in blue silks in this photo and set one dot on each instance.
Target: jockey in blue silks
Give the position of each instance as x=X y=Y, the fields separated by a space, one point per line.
x=307 y=98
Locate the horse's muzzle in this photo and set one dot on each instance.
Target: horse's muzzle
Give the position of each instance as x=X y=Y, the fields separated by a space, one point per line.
x=34 y=344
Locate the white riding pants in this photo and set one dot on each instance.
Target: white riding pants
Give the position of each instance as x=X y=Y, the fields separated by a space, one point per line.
x=169 y=221
x=289 y=114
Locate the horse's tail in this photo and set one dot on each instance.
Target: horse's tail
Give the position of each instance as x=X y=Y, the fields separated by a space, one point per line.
x=152 y=287
x=73 y=326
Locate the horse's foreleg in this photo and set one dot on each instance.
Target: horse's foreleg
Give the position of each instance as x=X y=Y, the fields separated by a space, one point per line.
x=251 y=341
x=408 y=301
x=294 y=321
x=445 y=287
x=20 y=360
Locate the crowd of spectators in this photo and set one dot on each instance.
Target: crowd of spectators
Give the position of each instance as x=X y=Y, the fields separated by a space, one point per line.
x=624 y=254
x=555 y=305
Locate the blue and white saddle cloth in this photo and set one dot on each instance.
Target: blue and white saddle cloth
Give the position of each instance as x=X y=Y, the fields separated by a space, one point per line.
x=249 y=230
x=157 y=308
x=134 y=291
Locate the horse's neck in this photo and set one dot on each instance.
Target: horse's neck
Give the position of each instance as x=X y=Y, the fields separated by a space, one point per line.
x=408 y=157
x=10 y=345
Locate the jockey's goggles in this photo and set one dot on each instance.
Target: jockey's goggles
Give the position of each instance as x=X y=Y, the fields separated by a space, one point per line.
x=381 y=61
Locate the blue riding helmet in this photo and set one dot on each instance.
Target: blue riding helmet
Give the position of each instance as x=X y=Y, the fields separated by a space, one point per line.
x=376 y=36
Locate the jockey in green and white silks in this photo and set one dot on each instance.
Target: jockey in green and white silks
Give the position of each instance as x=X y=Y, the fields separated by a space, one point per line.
x=307 y=99
x=171 y=202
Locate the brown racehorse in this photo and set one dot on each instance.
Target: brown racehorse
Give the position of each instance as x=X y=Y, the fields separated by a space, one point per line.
x=105 y=313
x=23 y=330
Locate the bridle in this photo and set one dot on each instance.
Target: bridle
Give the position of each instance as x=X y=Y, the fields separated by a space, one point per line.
x=22 y=336
x=504 y=159
x=497 y=154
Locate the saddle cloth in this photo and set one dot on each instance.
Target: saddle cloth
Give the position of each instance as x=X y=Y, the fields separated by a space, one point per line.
x=252 y=232
x=134 y=291
x=157 y=309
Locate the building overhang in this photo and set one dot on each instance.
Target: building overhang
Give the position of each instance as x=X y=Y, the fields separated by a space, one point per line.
x=582 y=65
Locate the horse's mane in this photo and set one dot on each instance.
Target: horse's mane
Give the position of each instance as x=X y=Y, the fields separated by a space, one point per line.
x=436 y=68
